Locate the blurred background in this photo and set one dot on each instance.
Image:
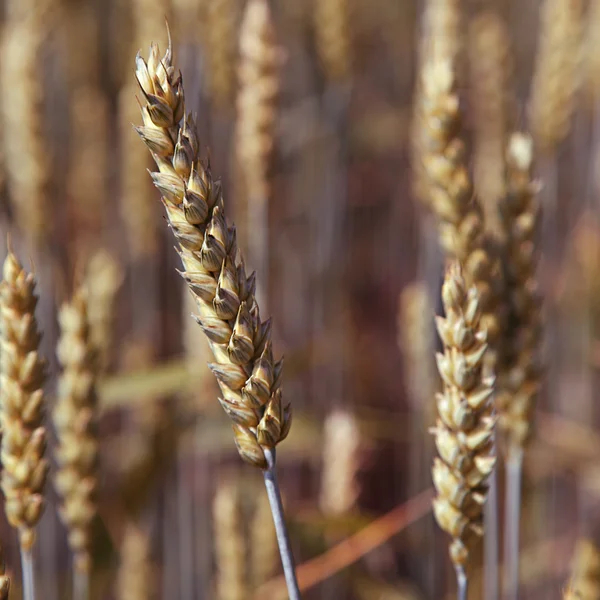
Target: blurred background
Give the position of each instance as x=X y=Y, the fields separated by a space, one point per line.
x=348 y=266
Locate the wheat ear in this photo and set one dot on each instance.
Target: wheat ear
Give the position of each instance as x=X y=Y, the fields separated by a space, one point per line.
x=22 y=376
x=230 y=543
x=247 y=374
x=490 y=70
x=555 y=78
x=465 y=427
x=135 y=576
x=333 y=38
x=459 y=215
x=74 y=418
x=585 y=579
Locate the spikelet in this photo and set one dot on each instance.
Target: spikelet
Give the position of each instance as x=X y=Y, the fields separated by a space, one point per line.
x=264 y=552
x=260 y=60
x=585 y=580
x=74 y=418
x=465 y=427
x=230 y=544
x=248 y=376
x=135 y=576
x=440 y=40
x=341 y=447
x=102 y=281
x=416 y=340
x=222 y=22
x=555 y=78
x=333 y=38
x=28 y=168
x=22 y=376
x=459 y=215
x=520 y=213
x=4 y=580
x=490 y=69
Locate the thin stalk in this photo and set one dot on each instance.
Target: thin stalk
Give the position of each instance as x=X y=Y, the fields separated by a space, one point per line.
x=512 y=523
x=28 y=577
x=462 y=583
x=491 y=581
x=81 y=584
x=283 y=541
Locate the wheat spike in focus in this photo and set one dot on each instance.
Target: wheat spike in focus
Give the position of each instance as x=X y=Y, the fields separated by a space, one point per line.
x=585 y=580
x=135 y=576
x=555 y=78
x=230 y=543
x=247 y=374
x=74 y=419
x=465 y=427
x=22 y=377
x=459 y=215
x=519 y=382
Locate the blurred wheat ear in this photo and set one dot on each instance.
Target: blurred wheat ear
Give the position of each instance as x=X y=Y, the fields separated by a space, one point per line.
x=22 y=374
x=135 y=580
x=585 y=578
x=248 y=376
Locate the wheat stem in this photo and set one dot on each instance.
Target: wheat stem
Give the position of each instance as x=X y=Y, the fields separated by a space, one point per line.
x=81 y=584
x=28 y=577
x=462 y=583
x=285 y=550
x=512 y=521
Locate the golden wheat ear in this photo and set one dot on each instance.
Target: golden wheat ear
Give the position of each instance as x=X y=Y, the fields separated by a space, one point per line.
x=135 y=579
x=585 y=578
x=464 y=433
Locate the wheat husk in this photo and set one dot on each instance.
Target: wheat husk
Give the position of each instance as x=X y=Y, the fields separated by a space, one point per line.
x=22 y=377
x=490 y=63
x=333 y=39
x=248 y=376
x=585 y=578
x=519 y=378
x=465 y=426
x=75 y=421
x=230 y=543
x=135 y=579
x=556 y=78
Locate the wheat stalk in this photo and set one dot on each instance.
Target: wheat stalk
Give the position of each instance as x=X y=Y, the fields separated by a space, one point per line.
x=555 y=78
x=247 y=374
x=230 y=543
x=333 y=41
x=22 y=376
x=465 y=427
x=135 y=580
x=585 y=579
x=74 y=417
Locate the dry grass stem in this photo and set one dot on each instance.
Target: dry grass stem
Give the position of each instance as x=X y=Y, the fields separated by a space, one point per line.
x=135 y=579
x=459 y=215
x=585 y=580
x=465 y=427
x=341 y=450
x=333 y=38
x=22 y=377
x=230 y=543
x=103 y=279
x=248 y=376
x=556 y=78
x=520 y=375
x=490 y=69
x=74 y=417
x=260 y=62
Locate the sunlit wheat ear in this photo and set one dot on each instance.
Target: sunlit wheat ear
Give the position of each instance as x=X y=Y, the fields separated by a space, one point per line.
x=228 y=313
x=520 y=375
x=230 y=543
x=585 y=578
x=465 y=426
x=333 y=38
x=135 y=579
x=22 y=377
x=75 y=421
x=556 y=77
x=451 y=197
